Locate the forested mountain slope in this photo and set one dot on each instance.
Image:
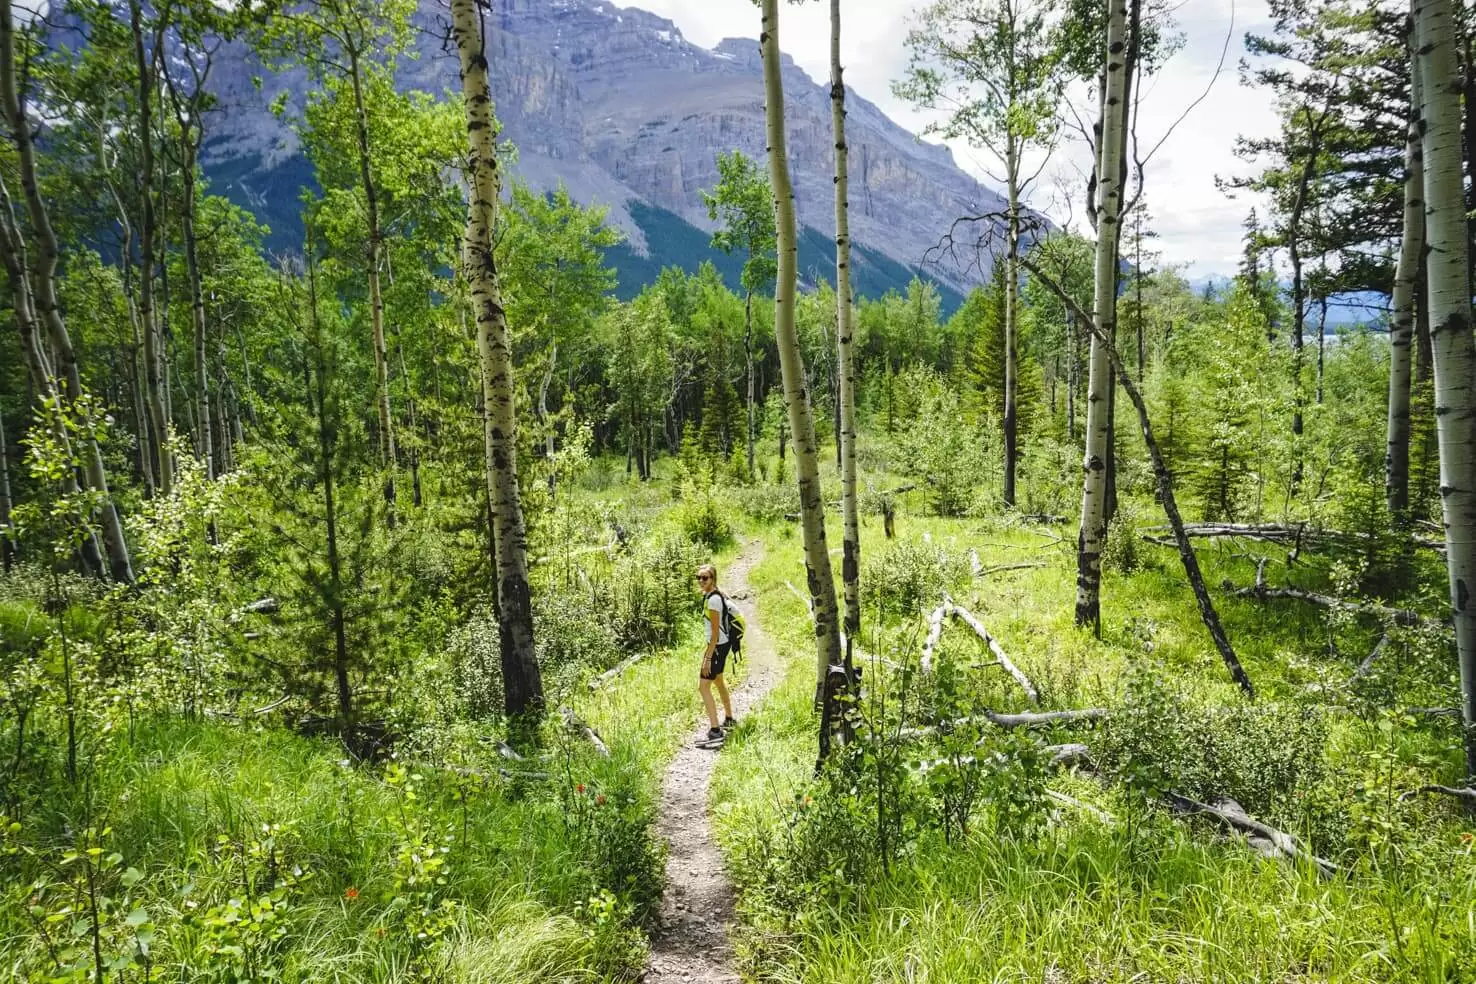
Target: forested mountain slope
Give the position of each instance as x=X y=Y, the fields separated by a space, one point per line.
x=617 y=105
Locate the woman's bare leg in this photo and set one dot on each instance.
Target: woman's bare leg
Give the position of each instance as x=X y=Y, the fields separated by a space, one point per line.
x=706 y=688
x=722 y=689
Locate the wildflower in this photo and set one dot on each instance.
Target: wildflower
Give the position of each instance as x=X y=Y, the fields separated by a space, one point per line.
x=351 y=893
x=1467 y=837
x=600 y=800
x=579 y=789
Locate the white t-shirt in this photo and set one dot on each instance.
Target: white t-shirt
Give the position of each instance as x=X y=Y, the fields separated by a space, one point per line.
x=715 y=604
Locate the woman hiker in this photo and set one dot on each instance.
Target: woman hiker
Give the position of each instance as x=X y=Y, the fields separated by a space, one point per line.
x=715 y=656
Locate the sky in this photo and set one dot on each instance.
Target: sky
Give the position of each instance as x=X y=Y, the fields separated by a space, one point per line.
x=1198 y=226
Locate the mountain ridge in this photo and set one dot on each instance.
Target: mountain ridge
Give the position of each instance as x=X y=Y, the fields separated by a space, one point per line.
x=614 y=103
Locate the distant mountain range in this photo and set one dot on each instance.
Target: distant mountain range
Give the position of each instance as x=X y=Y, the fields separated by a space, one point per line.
x=614 y=103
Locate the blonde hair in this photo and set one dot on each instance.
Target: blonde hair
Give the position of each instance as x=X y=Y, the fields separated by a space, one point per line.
x=707 y=570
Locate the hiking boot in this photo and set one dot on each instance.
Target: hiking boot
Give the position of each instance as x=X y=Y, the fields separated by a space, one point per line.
x=714 y=734
x=728 y=722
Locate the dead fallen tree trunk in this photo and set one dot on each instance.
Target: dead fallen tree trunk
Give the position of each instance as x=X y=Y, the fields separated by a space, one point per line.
x=1366 y=666
x=616 y=670
x=1060 y=756
x=1262 y=836
x=935 y=633
x=1399 y=616
x=1026 y=719
x=1294 y=535
x=578 y=727
x=1001 y=568
x=1071 y=756
x=1468 y=795
x=968 y=618
x=1085 y=807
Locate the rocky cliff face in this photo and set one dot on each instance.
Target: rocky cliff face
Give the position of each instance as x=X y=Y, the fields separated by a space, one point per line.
x=616 y=104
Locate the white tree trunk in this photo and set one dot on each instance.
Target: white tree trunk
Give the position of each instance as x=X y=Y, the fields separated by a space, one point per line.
x=374 y=247
x=1109 y=219
x=1401 y=336
x=796 y=395
x=1450 y=329
x=846 y=353
x=1011 y=320
x=48 y=309
x=522 y=683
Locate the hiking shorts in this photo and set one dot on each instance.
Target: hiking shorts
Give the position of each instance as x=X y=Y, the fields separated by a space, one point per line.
x=719 y=661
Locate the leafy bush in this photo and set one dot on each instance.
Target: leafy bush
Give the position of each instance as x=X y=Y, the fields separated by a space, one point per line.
x=475 y=654
x=1260 y=755
x=1049 y=479
x=702 y=517
x=766 y=503
x=940 y=448
x=905 y=577
x=650 y=591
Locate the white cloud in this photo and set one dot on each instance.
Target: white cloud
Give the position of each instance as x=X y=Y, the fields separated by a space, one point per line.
x=1199 y=226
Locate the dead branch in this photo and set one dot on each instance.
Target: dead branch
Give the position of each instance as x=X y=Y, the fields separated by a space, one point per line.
x=1367 y=665
x=1001 y=568
x=574 y=724
x=935 y=632
x=809 y=602
x=1230 y=813
x=994 y=647
x=1467 y=794
x=616 y=670
x=1072 y=801
x=1399 y=616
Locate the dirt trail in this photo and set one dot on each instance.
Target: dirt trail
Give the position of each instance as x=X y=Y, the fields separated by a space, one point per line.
x=691 y=944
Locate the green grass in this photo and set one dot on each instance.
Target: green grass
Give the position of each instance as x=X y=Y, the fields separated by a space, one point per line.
x=207 y=811
x=1143 y=897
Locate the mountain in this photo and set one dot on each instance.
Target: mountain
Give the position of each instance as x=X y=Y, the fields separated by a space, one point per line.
x=617 y=105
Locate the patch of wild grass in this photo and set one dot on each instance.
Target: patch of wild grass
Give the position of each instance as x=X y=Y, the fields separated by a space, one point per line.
x=1142 y=896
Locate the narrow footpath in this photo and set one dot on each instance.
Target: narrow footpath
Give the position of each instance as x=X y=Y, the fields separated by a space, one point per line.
x=691 y=945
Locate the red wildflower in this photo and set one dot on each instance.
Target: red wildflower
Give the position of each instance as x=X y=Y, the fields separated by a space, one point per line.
x=600 y=800
x=1467 y=837
x=351 y=893
x=579 y=789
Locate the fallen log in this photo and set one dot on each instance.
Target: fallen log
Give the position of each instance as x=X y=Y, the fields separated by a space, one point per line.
x=994 y=647
x=935 y=632
x=1061 y=757
x=1399 y=616
x=616 y=670
x=1072 y=801
x=1297 y=535
x=1026 y=719
x=1231 y=814
x=1072 y=756
x=809 y=602
x=1467 y=794
x=574 y=724
x=1001 y=568
x=1040 y=719
x=1366 y=666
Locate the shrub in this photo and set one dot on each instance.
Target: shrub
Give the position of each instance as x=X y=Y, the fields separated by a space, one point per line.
x=906 y=577
x=1260 y=755
x=702 y=517
x=766 y=503
x=650 y=591
x=939 y=447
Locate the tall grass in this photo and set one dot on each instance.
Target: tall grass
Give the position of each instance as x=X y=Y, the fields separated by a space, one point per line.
x=1142 y=897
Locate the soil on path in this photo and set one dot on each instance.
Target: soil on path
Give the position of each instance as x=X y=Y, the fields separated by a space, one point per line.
x=690 y=944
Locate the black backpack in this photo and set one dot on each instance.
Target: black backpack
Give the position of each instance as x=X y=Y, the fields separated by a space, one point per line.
x=733 y=626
